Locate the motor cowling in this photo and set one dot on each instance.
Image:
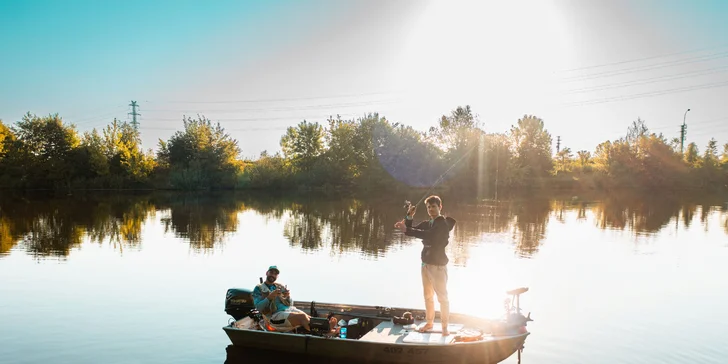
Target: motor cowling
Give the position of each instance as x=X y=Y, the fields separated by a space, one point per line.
x=239 y=302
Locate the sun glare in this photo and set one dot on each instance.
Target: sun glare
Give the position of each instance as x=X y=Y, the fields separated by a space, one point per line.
x=482 y=52
x=480 y=288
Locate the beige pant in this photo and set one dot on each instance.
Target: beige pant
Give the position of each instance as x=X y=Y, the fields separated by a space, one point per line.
x=434 y=281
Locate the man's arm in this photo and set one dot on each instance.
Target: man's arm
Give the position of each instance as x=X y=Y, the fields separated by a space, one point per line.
x=423 y=225
x=438 y=227
x=260 y=302
x=288 y=301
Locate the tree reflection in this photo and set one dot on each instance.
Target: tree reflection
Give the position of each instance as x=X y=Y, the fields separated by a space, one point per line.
x=343 y=225
x=349 y=225
x=54 y=226
x=204 y=220
x=50 y=226
x=650 y=214
x=7 y=235
x=530 y=225
x=303 y=228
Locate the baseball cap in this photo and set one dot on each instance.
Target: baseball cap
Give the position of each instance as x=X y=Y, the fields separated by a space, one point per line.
x=275 y=268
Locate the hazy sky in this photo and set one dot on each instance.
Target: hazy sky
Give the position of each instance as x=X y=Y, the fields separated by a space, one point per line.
x=588 y=68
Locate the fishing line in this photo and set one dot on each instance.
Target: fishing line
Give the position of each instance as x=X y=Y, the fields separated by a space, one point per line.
x=408 y=204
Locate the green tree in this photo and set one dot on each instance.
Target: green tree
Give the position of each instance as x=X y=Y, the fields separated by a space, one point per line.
x=564 y=158
x=202 y=156
x=303 y=144
x=692 y=155
x=91 y=167
x=658 y=164
x=268 y=172
x=636 y=131
x=455 y=132
x=463 y=144
x=531 y=144
x=127 y=162
x=710 y=156
x=603 y=156
x=44 y=149
x=371 y=133
x=341 y=157
x=6 y=139
x=584 y=158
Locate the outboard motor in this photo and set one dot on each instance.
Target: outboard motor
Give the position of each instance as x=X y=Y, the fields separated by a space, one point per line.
x=239 y=302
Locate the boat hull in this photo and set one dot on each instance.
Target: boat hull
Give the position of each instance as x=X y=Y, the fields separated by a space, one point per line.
x=481 y=352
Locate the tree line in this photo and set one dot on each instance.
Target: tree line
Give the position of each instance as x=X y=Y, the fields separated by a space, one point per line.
x=369 y=153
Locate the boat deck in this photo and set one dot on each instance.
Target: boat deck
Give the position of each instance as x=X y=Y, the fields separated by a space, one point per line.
x=390 y=333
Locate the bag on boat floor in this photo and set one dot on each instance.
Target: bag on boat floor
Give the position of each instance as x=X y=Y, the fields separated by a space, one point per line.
x=319 y=324
x=406 y=319
x=355 y=328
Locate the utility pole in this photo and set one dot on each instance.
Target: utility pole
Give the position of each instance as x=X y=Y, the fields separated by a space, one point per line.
x=683 y=131
x=558 y=144
x=134 y=115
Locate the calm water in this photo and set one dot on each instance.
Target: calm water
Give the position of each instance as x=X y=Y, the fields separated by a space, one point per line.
x=142 y=278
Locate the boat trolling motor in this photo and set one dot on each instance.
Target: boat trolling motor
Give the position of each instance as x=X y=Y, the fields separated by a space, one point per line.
x=514 y=319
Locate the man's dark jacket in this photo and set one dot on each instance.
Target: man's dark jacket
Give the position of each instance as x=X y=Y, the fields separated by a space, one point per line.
x=434 y=238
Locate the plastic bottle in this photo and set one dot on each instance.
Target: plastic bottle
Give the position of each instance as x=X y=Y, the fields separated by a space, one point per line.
x=342 y=333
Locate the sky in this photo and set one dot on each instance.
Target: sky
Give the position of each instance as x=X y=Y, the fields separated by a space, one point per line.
x=588 y=68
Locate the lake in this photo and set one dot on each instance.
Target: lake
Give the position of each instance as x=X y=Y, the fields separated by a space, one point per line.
x=141 y=278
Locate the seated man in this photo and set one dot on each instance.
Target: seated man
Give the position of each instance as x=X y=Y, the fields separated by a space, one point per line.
x=274 y=300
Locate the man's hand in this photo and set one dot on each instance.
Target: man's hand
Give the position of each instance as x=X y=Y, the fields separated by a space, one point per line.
x=273 y=294
x=412 y=210
x=401 y=226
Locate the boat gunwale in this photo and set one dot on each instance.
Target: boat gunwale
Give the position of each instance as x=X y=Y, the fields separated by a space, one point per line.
x=326 y=305
x=444 y=345
x=333 y=307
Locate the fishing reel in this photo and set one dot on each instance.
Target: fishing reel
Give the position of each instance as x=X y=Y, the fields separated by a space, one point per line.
x=407 y=205
x=255 y=315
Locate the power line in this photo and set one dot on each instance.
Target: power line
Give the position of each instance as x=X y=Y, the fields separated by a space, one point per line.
x=646 y=94
x=642 y=59
x=232 y=129
x=269 y=100
x=646 y=68
x=93 y=118
x=648 y=80
x=261 y=118
x=290 y=108
x=105 y=108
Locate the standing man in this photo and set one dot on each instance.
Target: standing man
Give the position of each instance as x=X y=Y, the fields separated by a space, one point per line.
x=435 y=235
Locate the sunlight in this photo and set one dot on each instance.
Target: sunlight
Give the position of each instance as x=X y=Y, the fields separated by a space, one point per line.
x=482 y=52
x=479 y=289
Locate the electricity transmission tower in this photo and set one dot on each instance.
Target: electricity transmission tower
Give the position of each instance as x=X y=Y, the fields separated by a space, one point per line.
x=134 y=115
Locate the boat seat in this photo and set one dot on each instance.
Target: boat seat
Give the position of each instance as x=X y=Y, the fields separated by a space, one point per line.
x=517 y=291
x=268 y=325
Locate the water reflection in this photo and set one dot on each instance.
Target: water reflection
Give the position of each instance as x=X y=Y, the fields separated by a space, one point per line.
x=204 y=220
x=44 y=226
x=238 y=355
x=530 y=225
x=242 y=355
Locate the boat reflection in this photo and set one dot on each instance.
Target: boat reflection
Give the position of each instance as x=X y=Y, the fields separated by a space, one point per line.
x=240 y=355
